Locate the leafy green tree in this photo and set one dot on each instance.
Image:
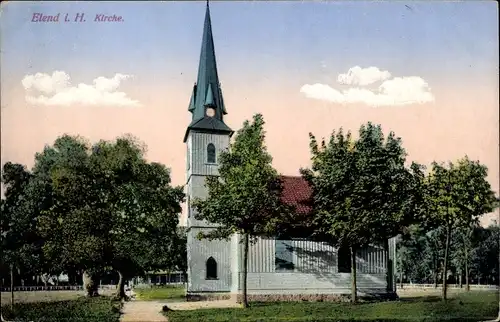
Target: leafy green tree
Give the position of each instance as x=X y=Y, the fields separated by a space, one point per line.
x=476 y=199
x=246 y=197
x=108 y=208
x=180 y=261
x=484 y=256
x=435 y=241
x=442 y=199
x=410 y=246
x=144 y=208
x=465 y=242
x=20 y=241
x=71 y=220
x=458 y=195
x=362 y=191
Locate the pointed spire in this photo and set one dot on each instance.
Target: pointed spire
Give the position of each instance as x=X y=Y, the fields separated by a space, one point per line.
x=207 y=70
x=207 y=74
x=207 y=89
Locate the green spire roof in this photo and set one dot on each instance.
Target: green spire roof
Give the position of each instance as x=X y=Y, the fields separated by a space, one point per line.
x=207 y=91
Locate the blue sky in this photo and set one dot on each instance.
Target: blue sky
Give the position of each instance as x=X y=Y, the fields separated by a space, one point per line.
x=433 y=38
x=291 y=61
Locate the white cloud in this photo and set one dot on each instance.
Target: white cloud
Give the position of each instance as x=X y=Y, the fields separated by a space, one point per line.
x=56 y=89
x=392 y=92
x=363 y=76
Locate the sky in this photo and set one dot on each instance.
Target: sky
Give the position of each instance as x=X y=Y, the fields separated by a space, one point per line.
x=426 y=70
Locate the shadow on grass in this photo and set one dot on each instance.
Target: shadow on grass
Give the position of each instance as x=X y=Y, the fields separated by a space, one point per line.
x=98 y=309
x=420 y=299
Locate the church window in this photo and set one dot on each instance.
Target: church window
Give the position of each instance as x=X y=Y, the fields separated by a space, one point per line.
x=211 y=269
x=211 y=153
x=284 y=255
x=344 y=260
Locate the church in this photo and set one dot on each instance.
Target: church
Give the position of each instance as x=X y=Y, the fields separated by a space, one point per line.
x=297 y=269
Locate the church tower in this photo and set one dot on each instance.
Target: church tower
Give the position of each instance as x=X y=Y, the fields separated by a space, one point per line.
x=209 y=262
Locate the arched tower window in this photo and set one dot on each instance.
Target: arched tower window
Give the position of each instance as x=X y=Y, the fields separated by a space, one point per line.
x=211 y=269
x=210 y=153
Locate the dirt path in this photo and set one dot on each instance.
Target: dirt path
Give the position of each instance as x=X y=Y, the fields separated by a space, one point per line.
x=150 y=311
x=142 y=311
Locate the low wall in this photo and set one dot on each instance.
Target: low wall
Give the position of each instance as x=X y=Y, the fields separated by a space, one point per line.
x=287 y=297
x=427 y=286
x=208 y=297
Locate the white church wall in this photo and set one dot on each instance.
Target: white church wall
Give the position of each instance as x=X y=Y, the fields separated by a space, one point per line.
x=198 y=253
x=199 y=169
x=196 y=189
x=324 y=283
x=198 y=143
x=235 y=262
x=315 y=269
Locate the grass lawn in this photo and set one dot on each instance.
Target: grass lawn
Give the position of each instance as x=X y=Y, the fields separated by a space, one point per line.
x=100 y=309
x=475 y=306
x=172 y=293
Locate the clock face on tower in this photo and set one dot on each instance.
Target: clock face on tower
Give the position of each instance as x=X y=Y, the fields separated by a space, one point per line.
x=210 y=112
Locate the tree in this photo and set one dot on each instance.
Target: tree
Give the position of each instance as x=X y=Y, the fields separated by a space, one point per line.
x=410 y=248
x=246 y=197
x=362 y=191
x=435 y=242
x=458 y=195
x=73 y=220
x=475 y=199
x=108 y=208
x=466 y=251
x=484 y=263
x=444 y=208
x=143 y=206
x=20 y=242
x=180 y=261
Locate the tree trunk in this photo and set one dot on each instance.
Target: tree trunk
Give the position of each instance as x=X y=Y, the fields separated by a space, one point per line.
x=401 y=279
x=390 y=276
x=245 y=270
x=12 y=287
x=460 y=282
x=435 y=278
x=354 y=290
x=89 y=284
x=467 y=285
x=120 y=288
x=445 y=263
x=498 y=317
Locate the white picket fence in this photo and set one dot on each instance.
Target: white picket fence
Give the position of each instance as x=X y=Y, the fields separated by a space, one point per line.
x=53 y=288
x=426 y=286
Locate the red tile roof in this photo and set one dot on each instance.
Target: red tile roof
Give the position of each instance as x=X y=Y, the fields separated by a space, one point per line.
x=297 y=192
